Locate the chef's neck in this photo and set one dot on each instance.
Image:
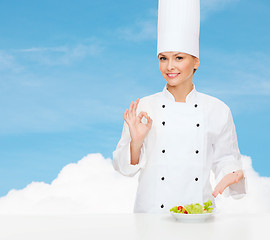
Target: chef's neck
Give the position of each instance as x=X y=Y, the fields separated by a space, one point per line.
x=180 y=91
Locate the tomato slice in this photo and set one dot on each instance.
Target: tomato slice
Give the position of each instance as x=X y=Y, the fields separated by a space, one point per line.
x=180 y=208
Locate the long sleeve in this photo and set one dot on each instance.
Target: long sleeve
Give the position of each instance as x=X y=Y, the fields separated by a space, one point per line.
x=121 y=155
x=227 y=159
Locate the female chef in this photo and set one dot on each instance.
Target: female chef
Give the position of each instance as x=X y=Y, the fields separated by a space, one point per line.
x=176 y=137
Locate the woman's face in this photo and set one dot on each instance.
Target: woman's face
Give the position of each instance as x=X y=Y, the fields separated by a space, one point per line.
x=177 y=67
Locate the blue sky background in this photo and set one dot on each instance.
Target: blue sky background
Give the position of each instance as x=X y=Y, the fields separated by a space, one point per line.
x=68 y=71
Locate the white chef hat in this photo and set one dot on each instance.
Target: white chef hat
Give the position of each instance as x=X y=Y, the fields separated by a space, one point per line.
x=179 y=26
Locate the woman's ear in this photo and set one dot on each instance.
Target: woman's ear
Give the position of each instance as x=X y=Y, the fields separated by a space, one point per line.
x=196 y=62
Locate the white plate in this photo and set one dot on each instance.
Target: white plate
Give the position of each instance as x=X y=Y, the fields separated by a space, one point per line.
x=192 y=217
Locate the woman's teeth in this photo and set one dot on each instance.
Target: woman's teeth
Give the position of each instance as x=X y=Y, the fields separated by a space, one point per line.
x=172 y=75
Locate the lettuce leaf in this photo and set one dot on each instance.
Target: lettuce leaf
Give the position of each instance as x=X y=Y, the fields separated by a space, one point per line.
x=207 y=206
x=195 y=208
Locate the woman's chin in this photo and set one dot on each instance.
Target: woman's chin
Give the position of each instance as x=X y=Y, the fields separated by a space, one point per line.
x=174 y=82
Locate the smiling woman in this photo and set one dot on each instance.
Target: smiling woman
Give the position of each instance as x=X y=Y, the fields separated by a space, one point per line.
x=185 y=134
x=177 y=69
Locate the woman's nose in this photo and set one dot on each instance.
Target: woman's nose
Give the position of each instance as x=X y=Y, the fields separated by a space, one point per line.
x=170 y=65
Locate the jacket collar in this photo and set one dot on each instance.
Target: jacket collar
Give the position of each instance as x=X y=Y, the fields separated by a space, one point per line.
x=189 y=99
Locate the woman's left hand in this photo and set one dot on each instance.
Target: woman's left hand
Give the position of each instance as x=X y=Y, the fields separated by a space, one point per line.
x=226 y=181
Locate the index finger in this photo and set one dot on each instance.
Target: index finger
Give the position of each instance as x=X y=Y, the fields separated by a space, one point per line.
x=135 y=106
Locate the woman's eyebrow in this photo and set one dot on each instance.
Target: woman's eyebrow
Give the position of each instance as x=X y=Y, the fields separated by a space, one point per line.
x=161 y=54
x=177 y=53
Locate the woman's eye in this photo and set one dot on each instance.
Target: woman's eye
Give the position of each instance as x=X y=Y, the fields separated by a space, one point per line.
x=179 y=58
x=162 y=58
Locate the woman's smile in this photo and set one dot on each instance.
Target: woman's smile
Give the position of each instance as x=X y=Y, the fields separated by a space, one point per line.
x=172 y=75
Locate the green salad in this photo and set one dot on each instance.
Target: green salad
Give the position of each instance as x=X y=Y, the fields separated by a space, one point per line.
x=194 y=208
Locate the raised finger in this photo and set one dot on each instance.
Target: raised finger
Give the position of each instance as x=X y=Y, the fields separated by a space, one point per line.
x=135 y=106
x=125 y=115
x=130 y=108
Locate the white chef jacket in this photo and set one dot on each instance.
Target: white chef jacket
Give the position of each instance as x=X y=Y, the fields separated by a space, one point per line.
x=186 y=141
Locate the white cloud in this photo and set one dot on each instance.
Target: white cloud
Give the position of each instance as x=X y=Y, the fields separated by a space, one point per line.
x=17 y=60
x=45 y=49
x=49 y=99
x=140 y=31
x=8 y=62
x=61 y=55
x=235 y=73
x=93 y=186
x=5 y=60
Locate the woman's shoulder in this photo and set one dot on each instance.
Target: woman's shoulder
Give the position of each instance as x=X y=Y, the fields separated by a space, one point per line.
x=147 y=103
x=213 y=103
x=216 y=111
x=214 y=107
x=150 y=98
